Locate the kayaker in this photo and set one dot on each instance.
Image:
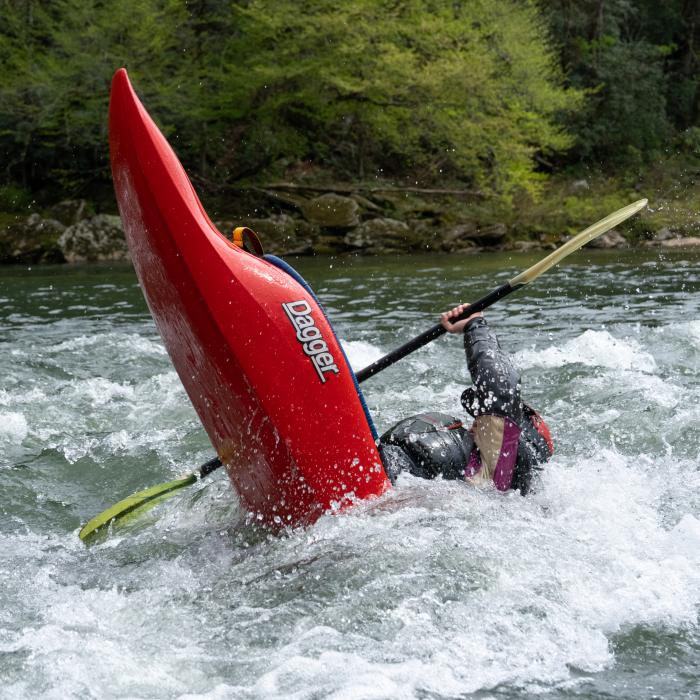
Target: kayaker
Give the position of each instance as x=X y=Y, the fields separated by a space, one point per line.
x=507 y=441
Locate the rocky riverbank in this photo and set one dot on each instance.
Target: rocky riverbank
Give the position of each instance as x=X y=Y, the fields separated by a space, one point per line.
x=292 y=220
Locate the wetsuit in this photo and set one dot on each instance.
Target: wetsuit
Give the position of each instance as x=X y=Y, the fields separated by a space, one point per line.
x=507 y=440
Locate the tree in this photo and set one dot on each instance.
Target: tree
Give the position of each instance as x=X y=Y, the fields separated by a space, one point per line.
x=639 y=63
x=468 y=89
x=418 y=89
x=58 y=59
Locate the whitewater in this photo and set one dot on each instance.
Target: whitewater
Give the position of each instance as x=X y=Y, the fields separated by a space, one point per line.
x=589 y=588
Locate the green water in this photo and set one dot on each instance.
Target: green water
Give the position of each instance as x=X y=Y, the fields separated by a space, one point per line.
x=590 y=588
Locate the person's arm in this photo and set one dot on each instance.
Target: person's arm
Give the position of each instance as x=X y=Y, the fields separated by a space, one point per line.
x=494 y=401
x=457 y=326
x=496 y=381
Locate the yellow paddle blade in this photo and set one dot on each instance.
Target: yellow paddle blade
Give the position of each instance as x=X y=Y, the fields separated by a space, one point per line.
x=577 y=242
x=132 y=507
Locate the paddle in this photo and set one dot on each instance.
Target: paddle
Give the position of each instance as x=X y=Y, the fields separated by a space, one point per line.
x=140 y=502
x=143 y=500
x=518 y=282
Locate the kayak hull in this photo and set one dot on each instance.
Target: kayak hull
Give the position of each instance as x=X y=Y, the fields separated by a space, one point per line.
x=253 y=349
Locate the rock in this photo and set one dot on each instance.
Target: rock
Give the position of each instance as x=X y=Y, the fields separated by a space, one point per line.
x=579 y=185
x=665 y=234
x=425 y=234
x=95 y=239
x=289 y=199
x=329 y=245
x=459 y=237
x=464 y=247
x=663 y=237
x=525 y=246
x=32 y=241
x=611 y=239
x=365 y=203
x=384 y=236
x=490 y=235
x=69 y=211
x=688 y=242
x=332 y=211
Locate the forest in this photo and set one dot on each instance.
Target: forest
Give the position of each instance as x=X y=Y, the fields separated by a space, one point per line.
x=539 y=111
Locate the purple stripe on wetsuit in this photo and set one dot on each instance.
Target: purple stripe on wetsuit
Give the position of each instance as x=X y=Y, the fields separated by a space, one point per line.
x=507 y=457
x=503 y=474
x=474 y=464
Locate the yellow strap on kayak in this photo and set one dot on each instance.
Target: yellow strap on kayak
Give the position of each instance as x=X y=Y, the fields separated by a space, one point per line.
x=248 y=240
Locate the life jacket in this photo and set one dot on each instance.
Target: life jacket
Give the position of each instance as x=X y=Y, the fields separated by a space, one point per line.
x=437 y=444
x=433 y=444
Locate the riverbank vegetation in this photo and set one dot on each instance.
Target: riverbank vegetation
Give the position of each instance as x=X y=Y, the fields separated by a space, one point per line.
x=539 y=115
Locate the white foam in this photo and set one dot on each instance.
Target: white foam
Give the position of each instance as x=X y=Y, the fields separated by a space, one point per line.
x=433 y=590
x=522 y=591
x=652 y=388
x=134 y=343
x=436 y=589
x=360 y=353
x=100 y=391
x=684 y=538
x=125 y=442
x=687 y=329
x=13 y=428
x=593 y=349
x=615 y=571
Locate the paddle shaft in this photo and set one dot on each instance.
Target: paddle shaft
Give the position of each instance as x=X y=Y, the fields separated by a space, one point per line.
x=208 y=467
x=406 y=349
x=517 y=282
x=432 y=333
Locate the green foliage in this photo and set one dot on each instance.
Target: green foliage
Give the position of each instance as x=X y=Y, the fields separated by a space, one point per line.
x=626 y=116
x=689 y=141
x=414 y=89
x=469 y=90
x=493 y=93
x=57 y=60
x=14 y=198
x=637 y=61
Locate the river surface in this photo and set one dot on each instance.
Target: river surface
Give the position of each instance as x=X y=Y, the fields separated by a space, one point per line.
x=589 y=588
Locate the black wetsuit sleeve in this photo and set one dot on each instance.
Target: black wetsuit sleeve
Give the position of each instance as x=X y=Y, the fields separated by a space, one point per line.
x=496 y=389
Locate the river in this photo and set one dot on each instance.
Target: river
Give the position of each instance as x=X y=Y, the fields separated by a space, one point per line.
x=589 y=588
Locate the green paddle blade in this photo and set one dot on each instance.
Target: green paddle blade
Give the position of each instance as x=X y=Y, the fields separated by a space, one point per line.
x=132 y=507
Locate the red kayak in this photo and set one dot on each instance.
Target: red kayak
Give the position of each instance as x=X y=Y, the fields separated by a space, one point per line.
x=252 y=346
